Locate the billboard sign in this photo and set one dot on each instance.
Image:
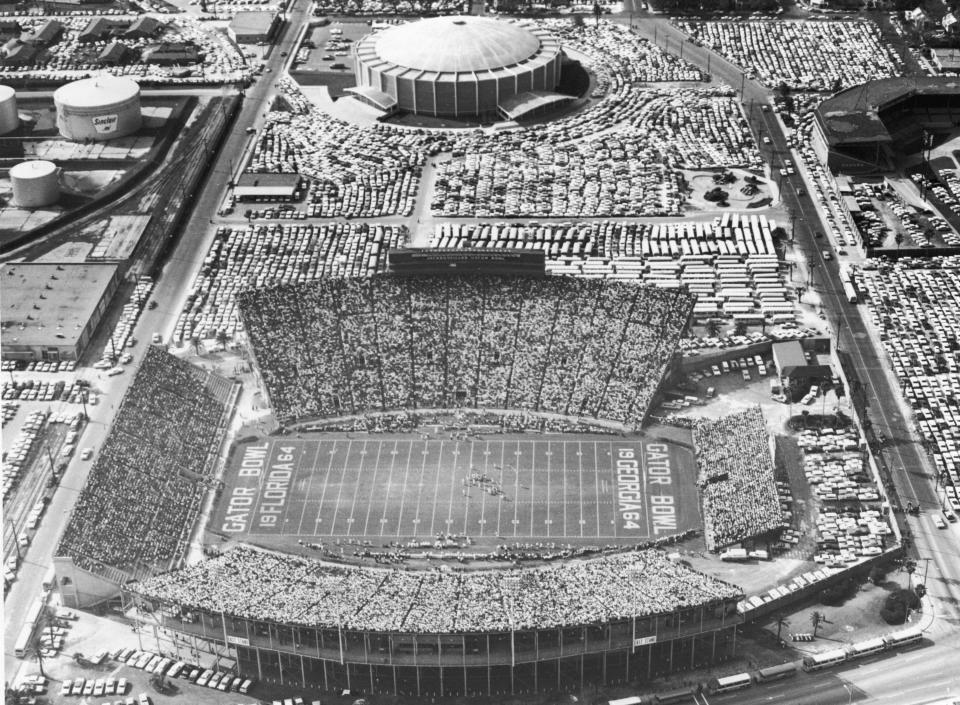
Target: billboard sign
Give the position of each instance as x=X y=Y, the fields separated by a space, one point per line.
x=106 y=123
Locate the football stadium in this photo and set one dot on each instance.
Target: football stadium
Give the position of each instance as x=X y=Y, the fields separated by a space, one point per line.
x=459 y=500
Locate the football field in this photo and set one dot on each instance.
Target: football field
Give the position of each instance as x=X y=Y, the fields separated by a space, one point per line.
x=582 y=490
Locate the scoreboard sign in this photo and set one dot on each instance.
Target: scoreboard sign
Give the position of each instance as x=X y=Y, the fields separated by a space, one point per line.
x=468 y=260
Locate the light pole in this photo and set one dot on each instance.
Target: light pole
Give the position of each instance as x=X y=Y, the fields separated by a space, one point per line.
x=512 y=584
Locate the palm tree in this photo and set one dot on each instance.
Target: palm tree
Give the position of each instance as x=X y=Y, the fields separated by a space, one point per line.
x=712 y=327
x=782 y=622
x=195 y=341
x=223 y=338
x=910 y=567
x=816 y=619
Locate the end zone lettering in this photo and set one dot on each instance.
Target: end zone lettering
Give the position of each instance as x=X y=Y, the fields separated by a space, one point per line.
x=238 y=509
x=662 y=506
x=274 y=495
x=630 y=491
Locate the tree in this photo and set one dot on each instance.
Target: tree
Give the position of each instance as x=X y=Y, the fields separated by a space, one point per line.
x=782 y=622
x=740 y=328
x=910 y=568
x=712 y=327
x=195 y=341
x=223 y=338
x=898 y=238
x=816 y=619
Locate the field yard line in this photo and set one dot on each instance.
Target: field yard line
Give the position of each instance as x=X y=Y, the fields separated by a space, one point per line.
x=323 y=493
x=516 y=498
x=467 y=496
x=306 y=496
x=596 y=477
x=483 y=495
x=453 y=485
x=436 y=487
x=388 y=492
x=547 y=522
x=376 y=469
x=563 y=496
x=580 y=503
x=533 y=495
x=403 y=492
x=503 y=448
x=336 y=508
x=356 y=486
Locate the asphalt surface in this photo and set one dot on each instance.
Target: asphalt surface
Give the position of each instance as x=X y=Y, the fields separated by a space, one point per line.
x=171 y=288
x=885 y=681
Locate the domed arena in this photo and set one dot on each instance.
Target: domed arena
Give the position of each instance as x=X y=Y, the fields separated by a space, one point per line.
x=461 y=66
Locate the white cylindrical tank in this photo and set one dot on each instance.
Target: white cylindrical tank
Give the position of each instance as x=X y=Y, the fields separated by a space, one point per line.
x=100 y=108
x=35 y=184
x=9 y=120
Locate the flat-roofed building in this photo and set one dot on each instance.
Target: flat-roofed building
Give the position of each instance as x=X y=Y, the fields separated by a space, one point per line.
x=272 y=187
x=50 y=311
x=251 y=27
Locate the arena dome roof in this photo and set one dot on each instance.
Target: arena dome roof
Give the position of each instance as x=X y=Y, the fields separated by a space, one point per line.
x=97 y=91
x=456 y=44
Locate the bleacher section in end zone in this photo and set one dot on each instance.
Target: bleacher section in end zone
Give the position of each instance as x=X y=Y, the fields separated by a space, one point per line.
x=468 y=260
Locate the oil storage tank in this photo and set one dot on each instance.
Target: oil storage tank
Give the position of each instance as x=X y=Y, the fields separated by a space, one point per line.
x=98 y=109
x=35 y=184
x=9 y=120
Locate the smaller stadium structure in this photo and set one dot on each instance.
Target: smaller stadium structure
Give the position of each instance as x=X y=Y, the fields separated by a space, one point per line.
x=861 y=129
x=460 y=67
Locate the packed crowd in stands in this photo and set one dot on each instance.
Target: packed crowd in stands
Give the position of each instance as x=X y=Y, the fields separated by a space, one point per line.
x=77 y=55
x=145 y=488
x=461 y=421
x=805 y=54
x=914 y=304
x=268 y=255
x=569 y=346
x=736 y=478
x=257 y=585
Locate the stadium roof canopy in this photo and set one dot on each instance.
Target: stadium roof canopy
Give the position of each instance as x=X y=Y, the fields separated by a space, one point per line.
x=521 y=104
x=382 y=100
x=853 y=115
x=456 y=44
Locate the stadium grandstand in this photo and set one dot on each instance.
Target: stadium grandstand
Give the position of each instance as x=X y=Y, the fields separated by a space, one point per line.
x=304 y=623
x=581 y=348
x=139 y=505
x=860 y=130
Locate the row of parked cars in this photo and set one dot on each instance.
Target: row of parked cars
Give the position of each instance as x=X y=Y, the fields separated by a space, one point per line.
x=171 y=668
x=96 y=687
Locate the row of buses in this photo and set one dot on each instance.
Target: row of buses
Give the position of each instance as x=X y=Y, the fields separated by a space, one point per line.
x=814 y=662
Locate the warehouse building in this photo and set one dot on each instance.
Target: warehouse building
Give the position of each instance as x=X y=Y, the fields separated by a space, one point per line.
x=269 y=187
x=253 y=27
x=50 y=311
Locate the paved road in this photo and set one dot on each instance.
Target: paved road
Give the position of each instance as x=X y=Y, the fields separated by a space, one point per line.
x=170 y=291
x=911 y=468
